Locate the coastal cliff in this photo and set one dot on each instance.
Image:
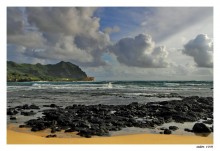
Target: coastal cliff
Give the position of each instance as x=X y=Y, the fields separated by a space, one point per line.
x=62 y=71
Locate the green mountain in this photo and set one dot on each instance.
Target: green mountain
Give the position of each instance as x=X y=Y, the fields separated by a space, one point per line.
x=62 y=71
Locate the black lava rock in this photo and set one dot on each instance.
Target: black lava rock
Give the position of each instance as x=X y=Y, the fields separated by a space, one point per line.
x=13 y=118
x=53 y=105
x=28 y=113
x=50 y=136
x=99 y=120
x=208 y=122
x=201 y=128
x=34 y=107
x=163 y=128
x=69 y=130
x=188 y=130
x=12 y=111
x=53 y=130
x=25 y=107
x=173 y=128
x=34 y=129
x=24 y=126
x=167 y=131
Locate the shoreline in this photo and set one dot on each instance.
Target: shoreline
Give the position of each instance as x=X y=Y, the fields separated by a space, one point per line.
x=103 y=120
x=27 y=138
x=17 y=135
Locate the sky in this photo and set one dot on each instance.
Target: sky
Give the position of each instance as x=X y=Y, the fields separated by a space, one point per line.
x=116 y=43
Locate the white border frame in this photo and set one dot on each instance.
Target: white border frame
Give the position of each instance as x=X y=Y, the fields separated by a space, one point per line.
x=110 y=3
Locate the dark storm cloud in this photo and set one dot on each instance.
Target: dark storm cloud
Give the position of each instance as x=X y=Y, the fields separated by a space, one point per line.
x=14 y=21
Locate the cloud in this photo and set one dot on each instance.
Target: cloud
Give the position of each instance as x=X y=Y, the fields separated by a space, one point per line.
x=163 y=22
x=70 y=34
x=201 y=49
x=29 y=39
x=48 y=35
x=15 y=21
x=140 y=51
x=114 y=29
x=69 y=21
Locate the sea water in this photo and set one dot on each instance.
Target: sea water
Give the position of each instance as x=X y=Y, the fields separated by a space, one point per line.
x=104 y=92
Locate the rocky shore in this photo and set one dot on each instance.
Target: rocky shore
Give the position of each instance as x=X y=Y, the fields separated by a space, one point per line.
x=99 y=120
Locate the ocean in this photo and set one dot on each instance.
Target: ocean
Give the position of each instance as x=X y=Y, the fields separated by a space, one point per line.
x=104 y=92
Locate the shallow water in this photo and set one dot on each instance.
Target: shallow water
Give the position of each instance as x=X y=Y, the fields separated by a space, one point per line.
x=105 y=92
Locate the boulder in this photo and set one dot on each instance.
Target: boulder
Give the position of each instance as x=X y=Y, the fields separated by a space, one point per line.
x=28 y=113
x=13 y=118
x=163 y=102
x=12 y=111
x=24 y=126
x=53 y=105
x=173 y=128
x=69 y=130
x=46 y=105
x=188 y=130
x=50 y=136
x=167 y=131
x=25 y=106
x=53 y=130
x=34 y=129
x=32 y=106
x=201 y=128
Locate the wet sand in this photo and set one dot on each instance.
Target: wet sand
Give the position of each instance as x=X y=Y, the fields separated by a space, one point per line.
x=14 y=137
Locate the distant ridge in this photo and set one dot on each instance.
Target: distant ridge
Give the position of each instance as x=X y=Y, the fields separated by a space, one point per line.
x=62 y=71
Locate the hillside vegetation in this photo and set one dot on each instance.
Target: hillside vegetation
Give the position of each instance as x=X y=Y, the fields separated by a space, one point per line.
x=62 y=71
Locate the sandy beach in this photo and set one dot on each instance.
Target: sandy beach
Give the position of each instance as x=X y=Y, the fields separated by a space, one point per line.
x=14 y=137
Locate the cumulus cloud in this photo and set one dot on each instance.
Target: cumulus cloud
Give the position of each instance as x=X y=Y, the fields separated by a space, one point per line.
x=70 y=34
x=140 y=51
x=63 y=19
x=201 y=49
